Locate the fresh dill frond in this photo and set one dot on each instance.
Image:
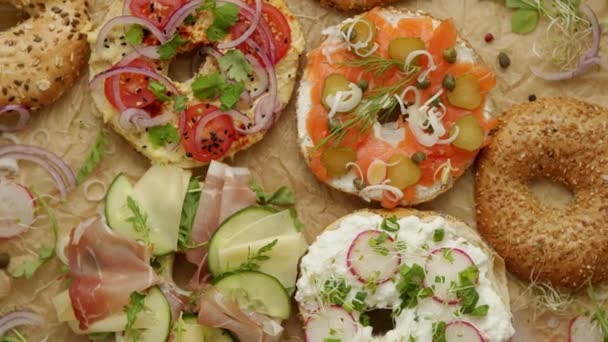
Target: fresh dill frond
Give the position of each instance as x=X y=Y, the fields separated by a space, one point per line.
x=374 y=64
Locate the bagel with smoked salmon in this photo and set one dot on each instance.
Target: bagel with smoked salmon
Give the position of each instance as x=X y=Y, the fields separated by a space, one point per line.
x=563 y=140
x=393 y=106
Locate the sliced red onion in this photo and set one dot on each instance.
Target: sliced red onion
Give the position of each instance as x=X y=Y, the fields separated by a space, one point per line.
x=254 y=22
x=179 y=16
x=18 y=318
x=148 y=51
x=124 y=62
x=24 y=117
x=262 y=76
x=127 y=20
x=596 y=30
x=17 y=206
x=126 y=7
x=133 y=70
x=139 y=119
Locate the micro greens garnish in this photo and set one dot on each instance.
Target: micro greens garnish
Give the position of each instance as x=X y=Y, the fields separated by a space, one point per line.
x=439 y=332
x=253 y=259
x=335 y=291
x=139 y=220
x=378 y=243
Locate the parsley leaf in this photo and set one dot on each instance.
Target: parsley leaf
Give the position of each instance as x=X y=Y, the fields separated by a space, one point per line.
x=231 y=94
x=283 y=196
x=208 y=86
x=139 y=220
x=235 y=66
x=252 y=262
x=224 y=17
x=390 y=224
x=189 y=209
x=169 y=49
x=179 y=103
x=438 y=235
x=134 y=35
x=95 y=155
x=159 y=90
x=160 y=136
x=439 y=332
x=135 y=306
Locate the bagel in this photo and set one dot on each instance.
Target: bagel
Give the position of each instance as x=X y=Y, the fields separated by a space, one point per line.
x=409 y=163
x=563 y=140
x=355 y=5
x=232 y=129
x=42 y=56
x=331 y=278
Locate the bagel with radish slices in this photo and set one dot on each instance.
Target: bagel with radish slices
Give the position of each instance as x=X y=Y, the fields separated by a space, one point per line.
x=243 y=55
x=393 y=107
x=434 y=275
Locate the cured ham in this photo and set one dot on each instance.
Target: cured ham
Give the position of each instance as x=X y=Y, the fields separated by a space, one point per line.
x=218 y=311
x=224 y=192
x=105 y=269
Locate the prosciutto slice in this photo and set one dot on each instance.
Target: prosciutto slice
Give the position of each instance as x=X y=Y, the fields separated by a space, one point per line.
x=218 y=311
x=224 y=192
x=105 y=269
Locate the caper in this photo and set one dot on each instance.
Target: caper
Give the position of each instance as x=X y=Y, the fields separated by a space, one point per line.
x=358 y=183
x=450 y=55
x=363 y=84
x=425 y=83
x=5 y=259
x=449 y=82
x=504 y=60
x=418 y=157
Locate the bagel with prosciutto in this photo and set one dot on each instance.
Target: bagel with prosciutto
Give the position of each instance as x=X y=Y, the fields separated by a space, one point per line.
x=244 y=57
x=393 y=106
x=434 y=275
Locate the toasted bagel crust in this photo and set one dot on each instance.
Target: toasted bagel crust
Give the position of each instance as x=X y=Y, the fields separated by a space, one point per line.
x=563 y=140
x=42 y=56
x=355 y=5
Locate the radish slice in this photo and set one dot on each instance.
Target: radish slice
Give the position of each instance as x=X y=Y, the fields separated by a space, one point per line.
x=331 y=322
x=442 y=268
x=583 y=329
x=462 y=331
x=17 y=206
x=372 y=264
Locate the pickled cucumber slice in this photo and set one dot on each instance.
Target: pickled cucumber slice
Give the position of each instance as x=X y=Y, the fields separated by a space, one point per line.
x=402 y=172
x=333 y=84
x=364 y=30
x=400 y=48
x=334 y=159
x=470 y=134
x=466 y=93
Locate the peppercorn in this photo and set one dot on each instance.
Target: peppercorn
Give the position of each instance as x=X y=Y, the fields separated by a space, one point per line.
x=532 y=98
x=5 y=259
x=363 y=84
x=488 y=37
x=424 y=84
x=503 y=60
x=418 y=157
x=449 y=82
x=450 y=55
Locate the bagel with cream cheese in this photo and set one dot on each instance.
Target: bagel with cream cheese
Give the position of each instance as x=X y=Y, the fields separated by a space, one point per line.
x=561 y=139
x=434 y=274
x=393 y=106
x=42 y=56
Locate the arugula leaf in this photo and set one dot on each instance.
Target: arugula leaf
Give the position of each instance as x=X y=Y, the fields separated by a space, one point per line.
x=27 y=268
x=95 y=155
x=139 y=220
x=169 y=49
x=189 y=209
x=524 y=20
x=251 y=264
x=335 y=291
x=439 y=332
x=438 y=235
x=224 y=17
x=136 y=305
x=235 y=65
x=231 y=94
x=159 y=90
x=134 y=34
x=283 y=196
x=296 y=221
x=208 y=86
x=390 y=224
x=160 y=136
x=410 y=285
x=179 y=103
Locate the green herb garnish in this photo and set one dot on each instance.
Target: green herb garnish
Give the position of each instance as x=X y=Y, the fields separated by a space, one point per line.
x=411 y=286
x=378 y=243
x=438 y=235
x=212 y=86
x=94 y=157
x=253 y=259
x=467 y=294
x=179 y=103
x=160 y=136
x=234 y=64
x=189 y=209
x=169 y=49
x=134 y=35
x=224 y=17
x=335 y=291
x=282 y=197
x=439 y=332
x=139 y=220
x=159 y=90
x=390 y=224
x=136 y=305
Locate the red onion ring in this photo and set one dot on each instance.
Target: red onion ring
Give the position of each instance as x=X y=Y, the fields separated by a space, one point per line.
x=124 y=62
x=140 y=119
x=127 y=20
x=262 y=76
x=18 y=318
x=254 y=22
x=179 y=16
x=24 y=117
x=126 y=7
x=121 y=70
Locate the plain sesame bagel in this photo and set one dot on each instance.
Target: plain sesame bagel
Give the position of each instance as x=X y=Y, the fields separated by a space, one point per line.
x=563 y=140
x=42 y=56
x=409 y=263
x=393 y=106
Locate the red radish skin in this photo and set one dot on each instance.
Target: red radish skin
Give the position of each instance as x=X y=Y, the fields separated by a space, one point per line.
x=462 y=331
x=366 y=264
x=437 y=265
x=331 y=319
x=583 y=329
x=17 y=206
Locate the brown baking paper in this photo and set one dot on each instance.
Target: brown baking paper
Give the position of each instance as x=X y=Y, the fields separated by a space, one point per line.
x=70 y=126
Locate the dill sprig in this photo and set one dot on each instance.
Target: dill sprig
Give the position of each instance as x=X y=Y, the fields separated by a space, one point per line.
x=379 y=65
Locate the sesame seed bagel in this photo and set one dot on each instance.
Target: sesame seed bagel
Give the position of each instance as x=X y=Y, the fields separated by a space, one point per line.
x=563 y=140
x=42 y=56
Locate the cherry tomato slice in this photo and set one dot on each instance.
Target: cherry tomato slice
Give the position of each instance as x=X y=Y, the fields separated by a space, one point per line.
x=217 y=138
x=157 y=11
x=279 y=27
x=133 y=88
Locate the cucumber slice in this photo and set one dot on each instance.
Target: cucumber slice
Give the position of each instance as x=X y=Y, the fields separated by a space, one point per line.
x=274 y=225
x=154 y=320
x=257 y=292
x=229 y=228
x=191 y=331
x=116 y=210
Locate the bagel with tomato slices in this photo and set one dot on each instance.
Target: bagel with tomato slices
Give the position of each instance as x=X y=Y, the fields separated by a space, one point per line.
x=393 y=106
x=243 y=59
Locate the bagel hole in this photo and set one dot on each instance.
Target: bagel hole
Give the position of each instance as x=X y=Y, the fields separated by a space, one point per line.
x=381 y=321
x=185 y=66
x=10 y=16
x=551 y=194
